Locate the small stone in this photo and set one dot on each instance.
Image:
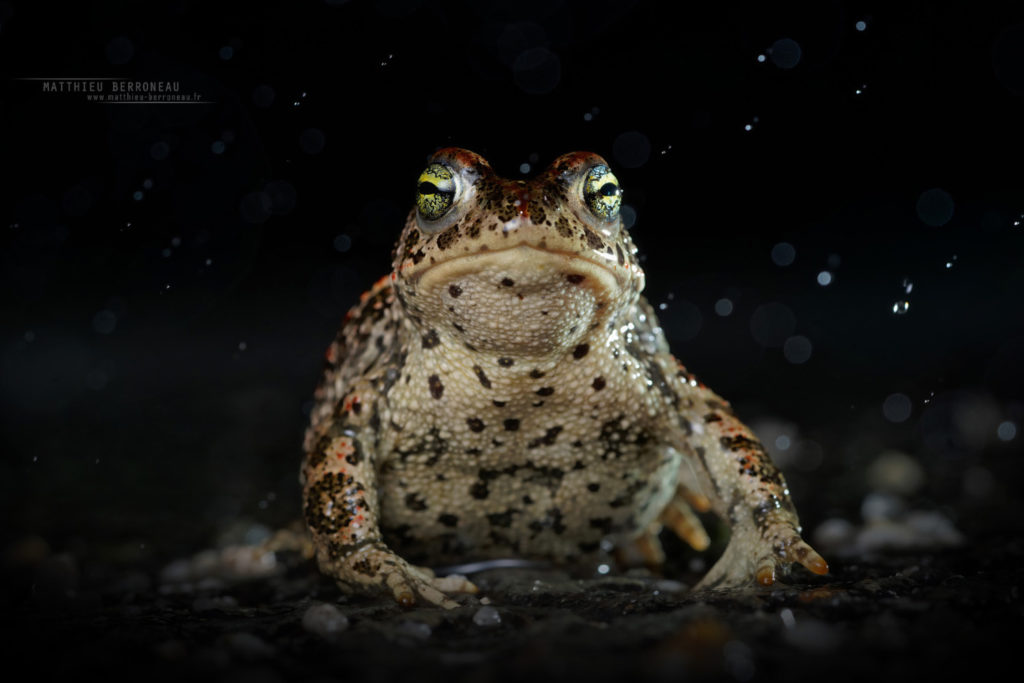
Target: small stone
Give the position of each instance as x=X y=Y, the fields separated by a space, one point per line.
x=487 y=617
x=414 y=629
x=248 y=646
x=325 y=620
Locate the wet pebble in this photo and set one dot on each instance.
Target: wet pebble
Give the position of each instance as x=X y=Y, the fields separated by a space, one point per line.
x=248 y=646
x=414 y=629
x=325 y=620
x=487 y=616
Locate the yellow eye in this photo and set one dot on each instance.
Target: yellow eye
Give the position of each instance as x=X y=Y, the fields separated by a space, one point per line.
x=435 y=191
x=602 y=193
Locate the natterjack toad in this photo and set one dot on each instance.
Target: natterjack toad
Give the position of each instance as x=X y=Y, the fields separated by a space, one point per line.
x=507 y=391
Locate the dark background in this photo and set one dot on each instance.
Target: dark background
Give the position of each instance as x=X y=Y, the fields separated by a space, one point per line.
x=159 y=350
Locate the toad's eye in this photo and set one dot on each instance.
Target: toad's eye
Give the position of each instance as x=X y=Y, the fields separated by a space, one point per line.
x=601 y=192
x=435 y=191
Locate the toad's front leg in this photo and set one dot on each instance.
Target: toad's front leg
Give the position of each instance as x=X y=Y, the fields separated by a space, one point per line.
x=748 y=491
x=340 y=503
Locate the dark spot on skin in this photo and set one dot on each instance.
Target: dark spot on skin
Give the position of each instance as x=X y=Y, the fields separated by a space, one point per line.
x=454 y=290
x=475 y=424
x=562 y=226
x=473 y=451
x=712 y=417
x=594 y=487
x=511 y=425
x=413 y=501
x=588 y=547
x=418 y=256
x=556 y=524
x=505 y=362
x=500 y=519
x=499 y=404
x=575 y=278
x=479 y=490
x=436 y=388
x=621 y=257
x=527 y=500
x=430 y=339
x=458 y=327
x=545 y=391
x=602 y=523
x=486 y=383
x=448 y=519
x=580 y=351
x=445 y=239
x=537 y=404
x=598 y=384
x=508 y=282
x=536 y=374
x=593 y=241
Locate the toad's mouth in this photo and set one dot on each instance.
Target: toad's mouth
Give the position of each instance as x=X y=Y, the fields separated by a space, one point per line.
x=530 y=267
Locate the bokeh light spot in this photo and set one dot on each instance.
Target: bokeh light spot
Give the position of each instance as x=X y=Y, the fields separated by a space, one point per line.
x=312 y=141
x=771 y=324
x=631 y=149
x=897 y=408
x=797 y=349
x=785 y=53
x=783 y=254
x=935 y=207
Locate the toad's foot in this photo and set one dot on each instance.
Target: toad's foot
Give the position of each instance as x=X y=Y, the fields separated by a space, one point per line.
x=759 y=554
x=376 y=566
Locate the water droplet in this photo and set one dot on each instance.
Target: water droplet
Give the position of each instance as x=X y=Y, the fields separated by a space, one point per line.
x=138 y=195
x=783 y=442
x=603 y=569
x=218 y=147
x=587 y=116
x=901 y=307
x=748 y=127
x=723 y=307
x=209 y=261
x=907 y=285
x=761 y=59
x=824 y=278
x=949 y=263
x=242 y=346
x=861 y=25
x=524 y=168
x=226 y=52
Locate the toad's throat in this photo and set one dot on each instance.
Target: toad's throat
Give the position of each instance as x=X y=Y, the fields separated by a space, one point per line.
x=520 y=300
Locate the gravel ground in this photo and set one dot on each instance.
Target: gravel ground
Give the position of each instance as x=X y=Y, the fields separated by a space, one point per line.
x=893 y=616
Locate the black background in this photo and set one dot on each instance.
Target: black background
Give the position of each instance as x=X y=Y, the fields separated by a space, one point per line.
x=158 y=354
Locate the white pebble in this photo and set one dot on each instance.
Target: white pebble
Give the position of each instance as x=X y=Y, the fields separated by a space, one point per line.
x=325 y=620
